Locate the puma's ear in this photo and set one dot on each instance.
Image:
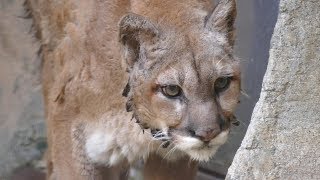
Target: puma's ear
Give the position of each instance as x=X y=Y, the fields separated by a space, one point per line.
x=222 y=19
x=134 y=33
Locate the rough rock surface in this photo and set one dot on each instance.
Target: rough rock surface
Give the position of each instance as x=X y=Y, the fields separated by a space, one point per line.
x=22 y=132
x=283 y=139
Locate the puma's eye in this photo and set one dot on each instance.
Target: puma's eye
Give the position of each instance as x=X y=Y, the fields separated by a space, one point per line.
x=222 y=83
x=171 y=90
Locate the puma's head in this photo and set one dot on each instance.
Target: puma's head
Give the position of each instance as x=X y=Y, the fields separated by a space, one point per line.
x=183 y=84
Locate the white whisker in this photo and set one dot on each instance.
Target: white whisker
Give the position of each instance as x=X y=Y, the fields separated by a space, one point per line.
x=160 y=146
x=245 y=94
x=168 y=153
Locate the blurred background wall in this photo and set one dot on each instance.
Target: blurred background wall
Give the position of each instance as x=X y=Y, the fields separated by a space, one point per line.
x=22 y=129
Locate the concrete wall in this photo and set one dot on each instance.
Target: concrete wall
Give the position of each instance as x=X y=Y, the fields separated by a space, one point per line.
x=283 y=138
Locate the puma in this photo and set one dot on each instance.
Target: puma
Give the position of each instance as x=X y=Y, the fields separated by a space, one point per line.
x=125 y=80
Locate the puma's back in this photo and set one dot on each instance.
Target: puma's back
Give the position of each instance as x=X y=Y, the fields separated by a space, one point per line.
x=123 y=79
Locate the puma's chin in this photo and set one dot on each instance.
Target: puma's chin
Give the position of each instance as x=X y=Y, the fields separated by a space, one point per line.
x=197 y=149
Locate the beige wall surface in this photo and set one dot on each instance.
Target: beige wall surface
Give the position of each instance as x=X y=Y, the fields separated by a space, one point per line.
x=21 y=113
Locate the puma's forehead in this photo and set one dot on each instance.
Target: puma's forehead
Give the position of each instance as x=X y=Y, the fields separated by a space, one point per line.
x=192 y=69
x=192 y=53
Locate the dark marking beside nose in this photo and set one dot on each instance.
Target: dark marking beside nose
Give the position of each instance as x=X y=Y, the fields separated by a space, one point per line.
x=157 y=133
x=166 y=144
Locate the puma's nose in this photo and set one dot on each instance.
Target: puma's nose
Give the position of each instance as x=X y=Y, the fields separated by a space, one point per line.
x=206 y=135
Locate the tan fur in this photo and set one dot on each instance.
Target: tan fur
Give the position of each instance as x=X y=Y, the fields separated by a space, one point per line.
x=92 y=49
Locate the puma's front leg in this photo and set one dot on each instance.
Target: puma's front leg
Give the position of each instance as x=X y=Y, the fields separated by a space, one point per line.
x=157 y=168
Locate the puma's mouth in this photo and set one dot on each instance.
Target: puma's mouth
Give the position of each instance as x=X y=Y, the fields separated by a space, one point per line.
x=194 y=147
x=199 y=150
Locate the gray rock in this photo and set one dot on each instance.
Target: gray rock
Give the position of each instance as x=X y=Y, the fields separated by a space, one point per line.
x=283 y=138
